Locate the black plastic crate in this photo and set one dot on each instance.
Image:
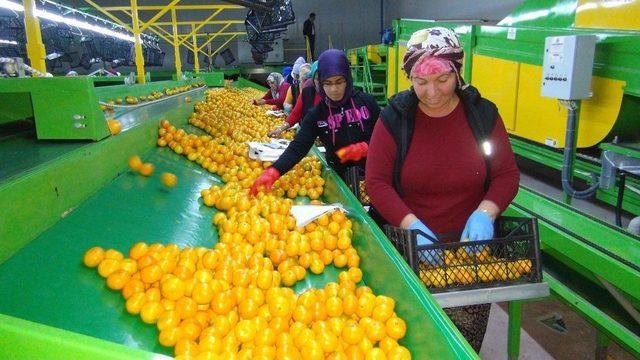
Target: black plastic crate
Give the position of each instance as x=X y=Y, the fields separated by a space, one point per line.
x=512 y=257
x=355 y=182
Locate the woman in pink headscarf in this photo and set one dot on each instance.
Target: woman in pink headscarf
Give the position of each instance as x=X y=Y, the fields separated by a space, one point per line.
x=440 y=159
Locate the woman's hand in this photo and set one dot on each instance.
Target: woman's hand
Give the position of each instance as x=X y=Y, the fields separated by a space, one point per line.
x=279 y=130
x=411 y=222
x=258 y=102
x=480 y=224
x=353 y=152
x=265 y=181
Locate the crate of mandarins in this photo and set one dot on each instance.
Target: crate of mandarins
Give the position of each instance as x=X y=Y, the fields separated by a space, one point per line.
x=512 y=257
x=355 y=182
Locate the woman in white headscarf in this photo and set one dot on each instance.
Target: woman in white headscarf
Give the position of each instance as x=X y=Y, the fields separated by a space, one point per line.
x=299 y=76
x=277 y=91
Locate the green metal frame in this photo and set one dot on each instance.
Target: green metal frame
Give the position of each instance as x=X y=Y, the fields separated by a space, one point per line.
x=23 y=339
x=212 y=79
x=67 y=108
x=582 y=169
x=367 y=76
x=107 y=93
x=57 y=104
x=578 y=249
x=108 y=80
x=632 y=150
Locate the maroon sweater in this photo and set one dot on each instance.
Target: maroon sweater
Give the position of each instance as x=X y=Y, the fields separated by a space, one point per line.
x=443 y=175
x=282 y=95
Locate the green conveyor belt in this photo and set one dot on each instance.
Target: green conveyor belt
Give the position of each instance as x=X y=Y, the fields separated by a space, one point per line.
x=49 y=284
x=44 y=281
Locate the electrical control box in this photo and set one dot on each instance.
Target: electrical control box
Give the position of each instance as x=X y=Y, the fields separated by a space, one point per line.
x=567 y=66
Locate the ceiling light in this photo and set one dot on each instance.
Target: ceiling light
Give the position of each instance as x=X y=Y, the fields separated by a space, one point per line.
x=69 y=21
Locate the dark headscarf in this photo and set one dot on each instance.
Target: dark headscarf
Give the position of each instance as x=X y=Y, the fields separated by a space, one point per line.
x=286 y=73
x=334 y=62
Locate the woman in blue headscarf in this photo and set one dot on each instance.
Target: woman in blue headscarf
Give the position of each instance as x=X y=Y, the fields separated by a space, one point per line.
x=343 y=120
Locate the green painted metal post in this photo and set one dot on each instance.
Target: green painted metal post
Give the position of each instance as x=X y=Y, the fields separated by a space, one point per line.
x=396 y=48
x=515 y=320
x=602 y=345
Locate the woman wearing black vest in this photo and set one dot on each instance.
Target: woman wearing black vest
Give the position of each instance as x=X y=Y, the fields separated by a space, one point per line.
x=440 y=159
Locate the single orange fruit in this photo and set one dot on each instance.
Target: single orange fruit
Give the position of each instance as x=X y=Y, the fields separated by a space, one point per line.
x=146 y=169
x=113 y=254
x=151 y=273
x=172 y=288
x=151 y=312
x=107 y=267
x=117 y=279
x=169 y=179
x=168 y=319
x=135 y=162
x=133 y=286
x=93 y=257
x=352 y=333
x=135 y=302
x=169 y=336
x=399 y=353
x=114 y=126
x=396 y=328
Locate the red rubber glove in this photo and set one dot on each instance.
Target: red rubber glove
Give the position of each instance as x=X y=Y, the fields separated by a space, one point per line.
x=266 y=179
x=353 y=152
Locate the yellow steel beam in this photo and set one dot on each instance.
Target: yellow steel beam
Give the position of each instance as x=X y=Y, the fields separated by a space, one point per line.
x=167 y=36
x=195 y=29
x=223 y=44
x=138 y=42
x=209 y=64
x=213 y=22
x=176 y=45
x=196 y=49
x=35 y=47
x=178 y=7
x=109 y=15
x=162 y=33
x=218 y=33
x=226 y=33
x=158 y=15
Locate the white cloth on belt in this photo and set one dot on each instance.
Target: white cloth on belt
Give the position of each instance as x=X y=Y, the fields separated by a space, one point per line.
x=305 y=214
x=270 y=151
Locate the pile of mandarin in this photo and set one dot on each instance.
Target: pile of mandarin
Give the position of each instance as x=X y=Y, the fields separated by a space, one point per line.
x=235 y=301
x=231 y=121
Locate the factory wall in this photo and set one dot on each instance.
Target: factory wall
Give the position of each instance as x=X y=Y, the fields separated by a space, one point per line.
x=489 y=10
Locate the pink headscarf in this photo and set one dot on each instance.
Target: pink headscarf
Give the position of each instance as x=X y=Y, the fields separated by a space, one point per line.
x=434 y=50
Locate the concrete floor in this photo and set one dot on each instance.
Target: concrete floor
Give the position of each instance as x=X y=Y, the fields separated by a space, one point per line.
x=565 y=335
x=541 y=342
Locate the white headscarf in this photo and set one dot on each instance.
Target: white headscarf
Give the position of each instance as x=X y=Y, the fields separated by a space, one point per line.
x=277 y=79
x=296 y=65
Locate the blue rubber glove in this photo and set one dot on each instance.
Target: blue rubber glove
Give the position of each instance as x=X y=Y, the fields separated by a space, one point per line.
x=418 y=225
x=478 y=227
